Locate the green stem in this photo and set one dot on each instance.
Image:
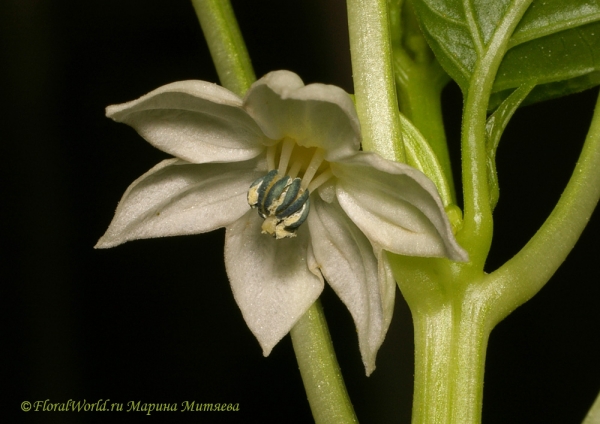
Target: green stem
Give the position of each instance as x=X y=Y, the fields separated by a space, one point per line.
x=320 y=371
x=476 y=234
x=419 y=97
x=452 y=321
x=452 y=304
x=419 y=83
x=226 y=44
x=450 y=347
x=526 y=273
x=374 y=90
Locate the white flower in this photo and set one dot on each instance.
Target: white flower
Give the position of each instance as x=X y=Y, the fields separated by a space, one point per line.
x=351 y=200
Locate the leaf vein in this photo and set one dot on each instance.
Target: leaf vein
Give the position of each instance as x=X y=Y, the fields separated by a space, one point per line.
x=444 y=16
x=457 y=63
x=473 y=28
x=524 y=36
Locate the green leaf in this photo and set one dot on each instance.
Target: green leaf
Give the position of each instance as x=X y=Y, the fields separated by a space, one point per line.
x=552 y=16
x=556 y=45
x=458 y=32
x=551 y=90
x=572 y=54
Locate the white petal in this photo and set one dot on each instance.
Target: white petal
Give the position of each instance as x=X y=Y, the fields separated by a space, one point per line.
x=178 y=198
x=270 y=278
x=346 y=259
x=193 y=120
x=316 y=115
x=396 y=206
x=387 y=285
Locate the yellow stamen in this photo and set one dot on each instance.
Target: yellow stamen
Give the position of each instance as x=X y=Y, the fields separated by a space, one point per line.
x=294 y=169
x=321 y=179
x=313 y=166
x=271 y=156
x=286 y=151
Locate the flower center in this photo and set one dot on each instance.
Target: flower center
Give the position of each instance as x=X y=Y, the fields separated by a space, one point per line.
x=281 y=197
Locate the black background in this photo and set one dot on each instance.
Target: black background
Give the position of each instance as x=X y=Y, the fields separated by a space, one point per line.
x=155 y=320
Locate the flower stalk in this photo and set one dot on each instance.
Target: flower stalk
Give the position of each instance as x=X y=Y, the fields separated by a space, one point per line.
x=316 y=358
x=321 y=375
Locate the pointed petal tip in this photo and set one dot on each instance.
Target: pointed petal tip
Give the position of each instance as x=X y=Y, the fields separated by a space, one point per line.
x=110 y=110
x=106 y=243
x=111 y=239
x=266 y=350
x=113 y=111
x=369 y=367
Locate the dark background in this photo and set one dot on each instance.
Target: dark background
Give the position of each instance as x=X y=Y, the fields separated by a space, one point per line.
x=155 y=320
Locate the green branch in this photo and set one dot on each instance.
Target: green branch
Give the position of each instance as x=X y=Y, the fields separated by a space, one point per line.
x=527 y=272
x=476 y=235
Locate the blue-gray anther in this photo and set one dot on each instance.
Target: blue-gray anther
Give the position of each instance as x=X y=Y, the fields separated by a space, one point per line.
x=281 y=202
x=258 y=188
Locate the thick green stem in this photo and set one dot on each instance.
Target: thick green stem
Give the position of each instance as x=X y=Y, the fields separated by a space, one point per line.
x=455 y=306
x=451 y=311
x=320 y=371
x=226 y=44
x=452 y=304
x=374 y=90
x=450 y=348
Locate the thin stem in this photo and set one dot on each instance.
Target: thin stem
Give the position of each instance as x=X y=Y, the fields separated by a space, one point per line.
x=476 y=235
x=374 y=89
x=419 y=82
x=419 y=97
x=526 y=273
x=320 y=371
x=226 y=44
x=318 y=365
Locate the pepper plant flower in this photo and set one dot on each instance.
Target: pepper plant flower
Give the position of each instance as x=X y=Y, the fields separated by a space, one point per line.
x=282 y=171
